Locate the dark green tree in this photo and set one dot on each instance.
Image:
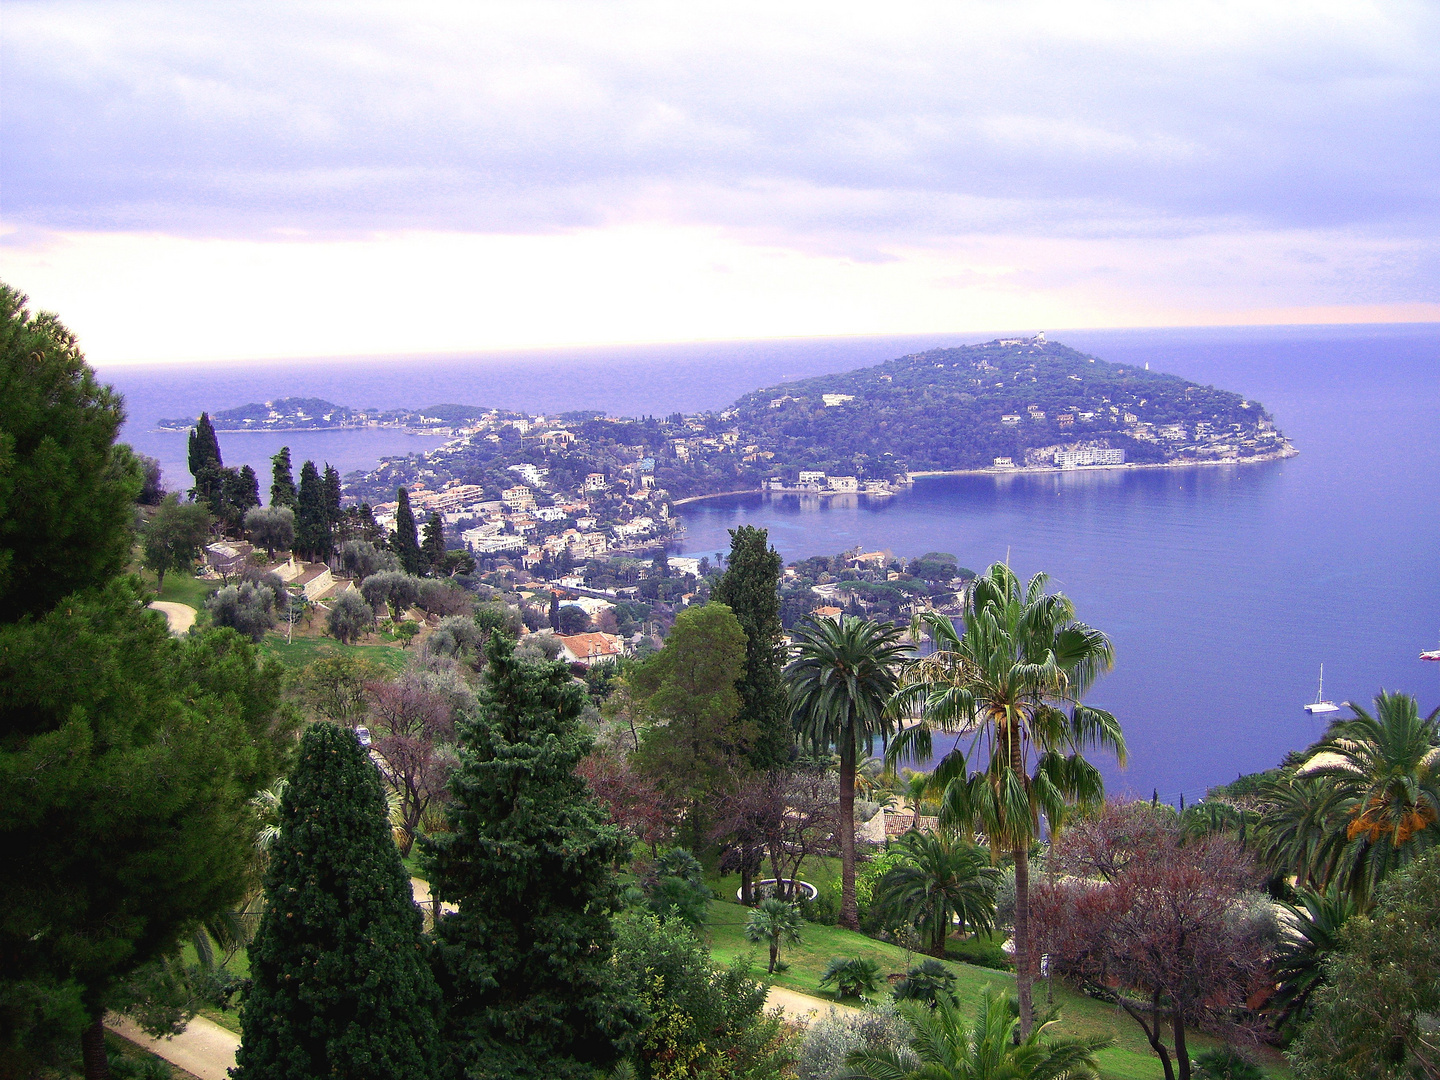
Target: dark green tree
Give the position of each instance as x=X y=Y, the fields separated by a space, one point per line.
x=127 y=761
x=173 y=537
x=432 y=547
x=1377 y=1017
x=525 y=963
x=750 y=587
x=341 y=980
x=282 y=480
x=405 y=541
x=66 y=491
x=333 y=512
x=239 y=493
x=690 y=687
x=313 y=537
x=554 y=610
x=206 y=465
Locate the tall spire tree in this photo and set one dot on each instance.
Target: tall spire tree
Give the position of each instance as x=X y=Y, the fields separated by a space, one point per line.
x=313 y=536
x=750 y=587
x=206 y=465
x=432 y=548
x=341 y=982
x=332 y=495
x=405 y=541
x=525 y=961
x=282 y=480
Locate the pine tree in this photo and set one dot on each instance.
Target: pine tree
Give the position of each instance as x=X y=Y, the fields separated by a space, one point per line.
x=405 y=542
x=525 y=962
x=312 y=524
x=341 y=980
x=750 y=587
x=66 y=490
x=432 y=548
x=282 y=480
x=206 y=465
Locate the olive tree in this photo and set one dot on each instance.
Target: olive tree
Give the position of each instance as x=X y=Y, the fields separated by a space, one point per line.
x=350 y=617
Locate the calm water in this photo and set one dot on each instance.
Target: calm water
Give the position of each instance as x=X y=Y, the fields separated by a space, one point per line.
x=1223 y=588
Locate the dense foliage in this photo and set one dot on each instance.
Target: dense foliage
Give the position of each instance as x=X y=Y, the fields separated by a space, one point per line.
x=1379 y=1018
x=341 y=982
x=525 y=961
x=66 y=489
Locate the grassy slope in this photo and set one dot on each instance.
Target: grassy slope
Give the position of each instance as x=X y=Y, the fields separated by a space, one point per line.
x=1130 y=1059
x=305 y=649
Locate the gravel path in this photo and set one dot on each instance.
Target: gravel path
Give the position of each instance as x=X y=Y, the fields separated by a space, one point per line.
x=180 y=616
x=204 y=1048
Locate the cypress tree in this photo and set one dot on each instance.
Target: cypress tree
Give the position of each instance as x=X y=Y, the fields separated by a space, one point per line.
x=341 y=982
x=332 y=494
x=405 y=542
x=282 y=480
x=524 y=964
x=432 y=548
x=554 y=610
x=312 y=523
x=206 y=466
x=750 y=587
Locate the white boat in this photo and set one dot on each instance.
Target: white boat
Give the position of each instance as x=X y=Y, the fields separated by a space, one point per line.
x=1320 y=705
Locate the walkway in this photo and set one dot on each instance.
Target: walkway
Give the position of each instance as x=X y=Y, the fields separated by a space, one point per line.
x=798 y=1006
x=204 y=1048
x=180 y=616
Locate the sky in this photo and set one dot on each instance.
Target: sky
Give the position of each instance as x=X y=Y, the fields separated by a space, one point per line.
x=224 y=181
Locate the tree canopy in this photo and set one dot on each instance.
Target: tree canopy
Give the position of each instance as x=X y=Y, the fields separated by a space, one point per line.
x=66 y=489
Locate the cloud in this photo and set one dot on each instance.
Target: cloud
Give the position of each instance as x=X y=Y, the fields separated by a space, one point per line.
x=821 y=124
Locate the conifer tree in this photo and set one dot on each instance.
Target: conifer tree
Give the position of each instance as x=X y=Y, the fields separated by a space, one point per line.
x=432 y=548
x=67 y=490
x=341 y=982
x=332 y=494
x=206 y=465
x=525 y=962
x=282 y=480
x=405 y=541
x=750 y=587
x=312 y=524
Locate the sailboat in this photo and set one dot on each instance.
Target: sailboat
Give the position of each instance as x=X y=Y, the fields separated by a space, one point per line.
x=1320 y=705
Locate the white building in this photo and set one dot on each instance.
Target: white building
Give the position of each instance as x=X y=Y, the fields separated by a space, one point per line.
x=1073 y=459
x=843 y=483
x=812 y=476
x=832 y=400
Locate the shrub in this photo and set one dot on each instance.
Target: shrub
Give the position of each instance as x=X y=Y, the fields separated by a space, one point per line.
x=491 y=617
x=675 y=887
x=824 y=909
x=925 y=982
x=832 y=1038
x=982 y=952
x=350 y=617
x=247 y=609
x=1226 y=1063
x=702 y=1021
x=851 y=976
x=406 y=632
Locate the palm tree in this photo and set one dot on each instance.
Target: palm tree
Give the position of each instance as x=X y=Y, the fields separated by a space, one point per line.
x=944 y=1047
x=1310 y=934
x=773 y=922
x=1302 y=832
x=947 y=879
x=1386 y=772
x=843 y=677
x=1006 y=681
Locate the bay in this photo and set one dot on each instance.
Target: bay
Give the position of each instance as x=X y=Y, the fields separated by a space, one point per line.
x=1224 y=588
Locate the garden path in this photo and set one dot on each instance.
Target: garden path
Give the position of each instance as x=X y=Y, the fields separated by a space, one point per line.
x=180 y=616
x=204 y=1048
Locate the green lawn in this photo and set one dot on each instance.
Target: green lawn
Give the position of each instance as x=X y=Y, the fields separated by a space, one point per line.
x=184 y=589
x=1130 y=1059
x=305 y=649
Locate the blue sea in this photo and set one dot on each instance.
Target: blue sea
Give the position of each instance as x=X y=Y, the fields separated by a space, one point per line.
x=1224 y=588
